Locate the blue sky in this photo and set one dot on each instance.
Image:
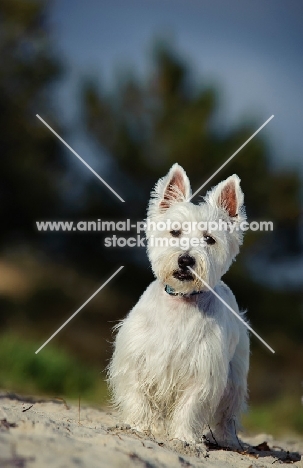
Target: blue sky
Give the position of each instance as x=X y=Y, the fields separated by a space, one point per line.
x=251 y=49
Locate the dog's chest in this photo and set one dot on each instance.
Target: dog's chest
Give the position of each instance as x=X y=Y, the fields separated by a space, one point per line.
x=181 y=343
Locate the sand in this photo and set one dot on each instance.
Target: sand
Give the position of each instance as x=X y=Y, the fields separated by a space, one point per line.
x=36 y=433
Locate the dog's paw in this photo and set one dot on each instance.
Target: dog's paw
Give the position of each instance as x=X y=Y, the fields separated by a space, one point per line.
x=196 y=449
x=227 y=441
x=140 y=428
x=185 y=437
x=185 y=433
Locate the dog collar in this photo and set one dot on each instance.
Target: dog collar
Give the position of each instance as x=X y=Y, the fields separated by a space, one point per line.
x=172 y=292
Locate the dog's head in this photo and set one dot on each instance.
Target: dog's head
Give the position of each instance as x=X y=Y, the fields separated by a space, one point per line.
x=204 y=237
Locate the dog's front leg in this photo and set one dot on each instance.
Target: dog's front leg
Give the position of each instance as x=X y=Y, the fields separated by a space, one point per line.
x=187 y=422
x=233 y=402
x=135 y=408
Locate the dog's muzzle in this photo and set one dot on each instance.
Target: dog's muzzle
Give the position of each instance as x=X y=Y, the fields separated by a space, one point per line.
x=183 y=274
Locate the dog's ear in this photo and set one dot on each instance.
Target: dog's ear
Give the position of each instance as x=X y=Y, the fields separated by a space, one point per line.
x=229 y=196
x=171 y=189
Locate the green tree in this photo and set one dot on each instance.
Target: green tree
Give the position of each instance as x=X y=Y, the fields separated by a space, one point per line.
x=31 y=158
x=146 y=127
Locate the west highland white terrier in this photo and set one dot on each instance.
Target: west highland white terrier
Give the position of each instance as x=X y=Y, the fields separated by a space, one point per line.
x=181 y=358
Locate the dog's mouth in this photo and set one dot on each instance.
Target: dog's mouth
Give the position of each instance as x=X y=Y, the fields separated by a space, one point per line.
x=183 y=275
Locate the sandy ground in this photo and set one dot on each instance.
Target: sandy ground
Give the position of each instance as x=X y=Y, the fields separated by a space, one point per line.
x=47 y=433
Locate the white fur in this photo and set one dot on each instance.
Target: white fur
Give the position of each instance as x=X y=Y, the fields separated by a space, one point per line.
x=180 y=363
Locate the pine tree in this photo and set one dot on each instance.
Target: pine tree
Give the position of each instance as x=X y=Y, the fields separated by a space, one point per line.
x=31 y=158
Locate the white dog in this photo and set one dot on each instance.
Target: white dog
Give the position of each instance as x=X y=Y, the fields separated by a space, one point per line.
x=181 y=358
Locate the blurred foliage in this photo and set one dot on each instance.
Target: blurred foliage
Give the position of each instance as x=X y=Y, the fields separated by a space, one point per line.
x=146 y=127
x=31 y=158
x=52 y=371
x=278 y=417
x=141 y=127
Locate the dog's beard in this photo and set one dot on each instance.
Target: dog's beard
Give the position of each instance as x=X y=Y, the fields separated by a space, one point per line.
x=183 y=274
x=181 y=278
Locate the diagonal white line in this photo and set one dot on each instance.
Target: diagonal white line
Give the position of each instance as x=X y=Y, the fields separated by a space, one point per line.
x=232 y=156
x=232 y=310
x=79 y=157
x=75 y=313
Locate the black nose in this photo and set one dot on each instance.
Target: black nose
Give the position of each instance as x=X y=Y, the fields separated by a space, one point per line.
x=185 y=261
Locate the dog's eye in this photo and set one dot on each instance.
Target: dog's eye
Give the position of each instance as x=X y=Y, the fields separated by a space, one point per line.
x=176 y=233
x=209 y=240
